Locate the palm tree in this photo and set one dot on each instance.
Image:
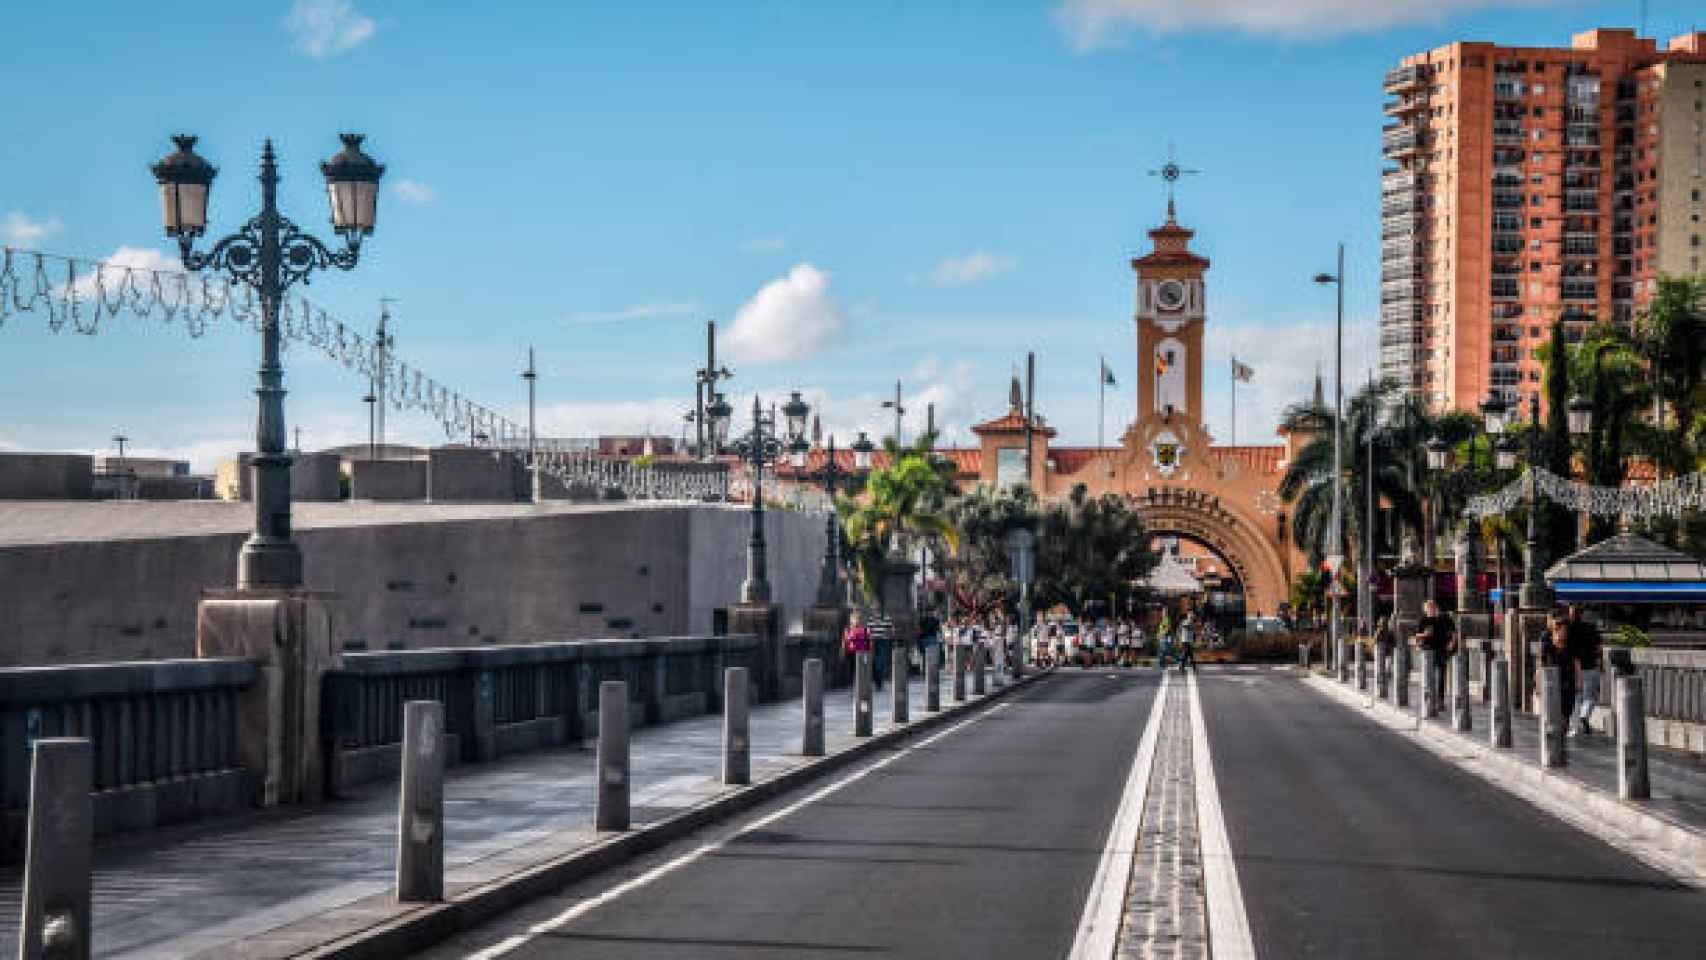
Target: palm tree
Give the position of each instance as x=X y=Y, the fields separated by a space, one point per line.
x=1608 y=371
x=1308 y=481
x=1672 y=337
x=901 y=507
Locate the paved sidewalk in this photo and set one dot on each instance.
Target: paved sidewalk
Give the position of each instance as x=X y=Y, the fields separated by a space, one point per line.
x=1678 y=779
x=201 y=889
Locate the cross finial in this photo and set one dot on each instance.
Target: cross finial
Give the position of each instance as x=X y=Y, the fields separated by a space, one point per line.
x=1170 y=173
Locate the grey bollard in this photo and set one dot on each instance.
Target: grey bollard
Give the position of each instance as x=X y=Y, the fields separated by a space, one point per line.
x=1486 y=673
x=1429 y=705
x=1341 y=665
x=933 y=677
x=1401 y=675
x=610 y=808
x=900 y=697
x=420 y=804
x=1632 y=783
x=1462 y=717
x=1359 y=664
x=58 y=854
x=811 y=697
x=959 y=673
x=1551 y=720
x=980 y=665
x=862 y=695
x=737 y=742
x=1500 y=682
x=1303 y=655
x=1382 y=675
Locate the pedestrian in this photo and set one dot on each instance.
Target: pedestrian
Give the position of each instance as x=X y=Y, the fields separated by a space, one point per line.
x=1385 y=641
x=1436 y=632
x=1556 y=652
x=882 y=642
x=1190 y=628
x=929 y=636
x=856 y=639
x=1163 y=639
x=1585 y=645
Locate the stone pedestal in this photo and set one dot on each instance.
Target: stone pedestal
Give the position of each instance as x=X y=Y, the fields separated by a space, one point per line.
x=895 y=598
x=1409 y=590
x=289 y=634
x=763 y=621
x=1523 y=629
x=831 y=622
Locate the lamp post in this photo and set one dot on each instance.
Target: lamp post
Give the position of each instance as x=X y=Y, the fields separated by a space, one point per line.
x=705 y=397
x=269 y=254
x=1535 y=595
x=1337 y=279
x=899 y=411
x=862 y=450
x=760 y=446
x=829 y=579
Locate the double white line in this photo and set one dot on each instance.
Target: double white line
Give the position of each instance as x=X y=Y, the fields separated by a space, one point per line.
x=1228 y=925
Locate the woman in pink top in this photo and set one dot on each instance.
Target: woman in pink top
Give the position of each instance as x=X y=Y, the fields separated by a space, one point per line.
x=857 y=639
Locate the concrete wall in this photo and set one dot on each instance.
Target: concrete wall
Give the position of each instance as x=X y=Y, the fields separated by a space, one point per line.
x=313 y=477
x=462 y=475
x=608 y=571
x=388 y=479
x=45 y=476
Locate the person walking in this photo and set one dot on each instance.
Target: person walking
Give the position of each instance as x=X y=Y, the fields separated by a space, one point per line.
x=1436 y=632
x=929 y=636
x=856 y=639
x=1385 y=644
x=882 y=642
x=1190 y=629
x=1585 y=644
x=1163 y=639
x=1556 y=652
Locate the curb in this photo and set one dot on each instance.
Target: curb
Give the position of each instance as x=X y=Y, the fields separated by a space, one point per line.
x=431 y=924
x=1672 y=847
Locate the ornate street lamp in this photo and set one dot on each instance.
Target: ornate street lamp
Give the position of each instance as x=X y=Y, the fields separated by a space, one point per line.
x=1495 y=413
x=829 y=592
x=1439 y=453
x=720 y=413
x=1580 y=416
x=795 y=411
x=1535 y=595
x=269 y=254
x=758 y=447
x=862 y=449
x=1504 y=453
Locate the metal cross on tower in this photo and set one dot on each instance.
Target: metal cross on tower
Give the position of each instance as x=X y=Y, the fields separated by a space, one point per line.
x=1170 y=173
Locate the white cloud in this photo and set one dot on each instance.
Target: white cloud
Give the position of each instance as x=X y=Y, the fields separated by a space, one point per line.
x=20 y=231
x=325 y=28
x=639 y=311
x=1098 y=24
x=136 y=258
x=971 y=268
x=787 y=319
x=414 y=191
x=1285 y=358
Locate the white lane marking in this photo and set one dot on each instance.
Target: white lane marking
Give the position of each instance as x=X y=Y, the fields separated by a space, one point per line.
x=1099 y=925
x=663 y=869
x=1228 y=924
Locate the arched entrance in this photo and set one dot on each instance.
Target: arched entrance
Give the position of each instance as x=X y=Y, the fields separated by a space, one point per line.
x=1202 y=519
x=1222 y=598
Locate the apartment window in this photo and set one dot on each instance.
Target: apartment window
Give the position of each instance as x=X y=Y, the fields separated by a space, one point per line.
x=1694 y=241
x=1534 y=222
x=1539 y=111
x=1534 y=200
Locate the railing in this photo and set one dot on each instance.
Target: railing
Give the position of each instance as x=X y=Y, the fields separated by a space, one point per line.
x=1675 y=681
x=164 y=735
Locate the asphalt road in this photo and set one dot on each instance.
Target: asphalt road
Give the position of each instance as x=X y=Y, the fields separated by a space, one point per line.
x=982 y=844
x=1350 y=842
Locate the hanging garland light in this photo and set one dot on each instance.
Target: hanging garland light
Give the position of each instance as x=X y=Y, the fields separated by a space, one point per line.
x=83 y=295
x=1670 y=498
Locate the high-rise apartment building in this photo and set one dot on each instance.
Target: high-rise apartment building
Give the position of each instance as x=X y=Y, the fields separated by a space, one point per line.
x=1529 y=184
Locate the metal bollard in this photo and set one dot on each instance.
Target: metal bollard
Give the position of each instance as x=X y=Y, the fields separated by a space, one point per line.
x=1462 y=717
x=959 y=673
x=1401 y=675
x=862 y=695
x=900 y=698
x=811 y=697
x=1487 y=657
x=1429 y=705
x=1500 y=683
x=1359 y=664
x=1382 y=673
x=610 y=807
x=420 y=804
x=58 y=855
x=933 y=678
x=1341 y=668
x=737 y=743
x=980 y=664
x=1551 y=720
x=1632 y=783
x=1303 y=655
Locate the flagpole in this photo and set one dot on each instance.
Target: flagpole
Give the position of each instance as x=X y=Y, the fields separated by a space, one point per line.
x=1235 y=399
x=1101 y=399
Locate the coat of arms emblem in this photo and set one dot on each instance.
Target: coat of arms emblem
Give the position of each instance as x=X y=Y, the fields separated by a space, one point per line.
x=1167 y=452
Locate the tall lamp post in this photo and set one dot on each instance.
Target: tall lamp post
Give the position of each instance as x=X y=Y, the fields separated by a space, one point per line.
x=759 y=446
x=269 y=254
x=1535 y=594
x=1337 y=279
x=707 y=399
x=899 y=411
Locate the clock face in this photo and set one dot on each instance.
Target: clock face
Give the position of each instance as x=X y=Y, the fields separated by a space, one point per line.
x=1170 y=294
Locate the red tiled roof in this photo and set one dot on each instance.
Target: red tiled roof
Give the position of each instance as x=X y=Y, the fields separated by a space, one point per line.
x=1261 y=459
x=967 y=460
x=1013 y=422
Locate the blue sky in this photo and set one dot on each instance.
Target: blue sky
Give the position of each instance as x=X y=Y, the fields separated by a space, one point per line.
x=865 y=192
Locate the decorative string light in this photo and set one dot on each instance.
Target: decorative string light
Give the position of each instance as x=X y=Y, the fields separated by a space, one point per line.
x=1670 y=498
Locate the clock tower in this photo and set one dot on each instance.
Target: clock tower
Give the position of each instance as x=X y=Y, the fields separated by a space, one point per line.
x=1170 y=316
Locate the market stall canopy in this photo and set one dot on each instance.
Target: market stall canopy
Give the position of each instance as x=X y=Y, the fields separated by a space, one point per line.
x=1628 y=569
x=1171 y=579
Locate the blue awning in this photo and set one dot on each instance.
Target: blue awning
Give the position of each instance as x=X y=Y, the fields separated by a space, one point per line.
x=1628 y=591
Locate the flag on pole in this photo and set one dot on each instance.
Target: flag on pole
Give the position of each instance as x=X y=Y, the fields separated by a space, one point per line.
x=1107 y=375
x=1160 y=363
x=1242 y=372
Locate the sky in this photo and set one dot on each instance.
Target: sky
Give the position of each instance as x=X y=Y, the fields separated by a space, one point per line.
x=857 y=193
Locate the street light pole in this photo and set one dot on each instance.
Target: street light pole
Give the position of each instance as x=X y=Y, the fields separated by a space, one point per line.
x=829 y=578
x=1535 y=596
x=269 y=254
x=1338 y=525
x=531 y=375
x=899 y=411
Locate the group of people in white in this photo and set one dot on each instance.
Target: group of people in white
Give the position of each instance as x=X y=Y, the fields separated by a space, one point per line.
x=1121 y=642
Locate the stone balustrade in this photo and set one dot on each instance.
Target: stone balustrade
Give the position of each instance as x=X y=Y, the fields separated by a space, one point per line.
x=164 y=735
x=1675 y=692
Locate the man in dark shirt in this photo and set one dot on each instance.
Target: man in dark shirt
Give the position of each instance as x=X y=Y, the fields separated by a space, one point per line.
x=1584 y=643
x=1556 y=652
x=1438 y=633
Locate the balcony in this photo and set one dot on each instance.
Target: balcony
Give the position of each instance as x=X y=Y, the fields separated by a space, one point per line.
x=1505 y=289
x=1394 y=204
x=1407 y=104
x=1507 y=133
x=1507 y=201
x=1403 y=78
x=1397 y=181
x=1505 y=378
x=1507 y=89
x=1581 y=139
x=1399 y=140
x=1579 y=290
x=1408 y=311
x=1507 y=243
x=1399 y=226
